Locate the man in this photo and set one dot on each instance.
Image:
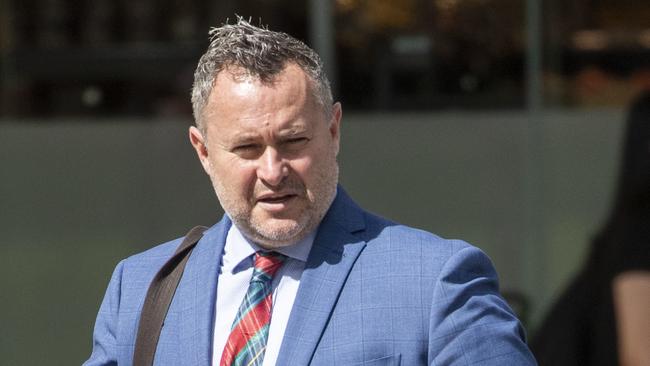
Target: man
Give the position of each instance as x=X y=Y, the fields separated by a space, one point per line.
x=296 y=273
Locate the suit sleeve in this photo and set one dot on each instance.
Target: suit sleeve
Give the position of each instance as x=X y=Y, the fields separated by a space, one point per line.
x=470 y=323
x=104 y=350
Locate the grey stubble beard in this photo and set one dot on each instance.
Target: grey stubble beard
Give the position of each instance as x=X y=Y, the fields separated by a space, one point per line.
x=268 y=238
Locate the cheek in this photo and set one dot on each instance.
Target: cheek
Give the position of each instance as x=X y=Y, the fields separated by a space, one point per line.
x=235 y=176
x=304 y=168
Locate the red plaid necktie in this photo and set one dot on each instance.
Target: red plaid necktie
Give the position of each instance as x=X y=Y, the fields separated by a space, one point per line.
x=250 y=330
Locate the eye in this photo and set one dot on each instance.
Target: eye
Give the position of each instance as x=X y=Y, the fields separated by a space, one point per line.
x=247 y=151
x=245 y=147
x=296 y=141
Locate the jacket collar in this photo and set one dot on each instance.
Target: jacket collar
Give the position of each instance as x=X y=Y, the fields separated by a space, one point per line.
x=333 y=255
x=334 y=251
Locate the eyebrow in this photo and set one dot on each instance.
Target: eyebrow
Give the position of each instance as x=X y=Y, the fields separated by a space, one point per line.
x=292 y=131
x=245 y=136
x=243 y=139
x=253 y=136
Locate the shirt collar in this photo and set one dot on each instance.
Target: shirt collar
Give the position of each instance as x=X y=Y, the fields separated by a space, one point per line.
x=238 y=250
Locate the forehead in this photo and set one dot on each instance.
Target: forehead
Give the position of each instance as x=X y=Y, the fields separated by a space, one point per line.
x=235 y=81
x=238 y=98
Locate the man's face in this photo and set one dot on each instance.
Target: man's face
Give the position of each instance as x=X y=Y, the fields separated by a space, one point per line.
x=270 y=153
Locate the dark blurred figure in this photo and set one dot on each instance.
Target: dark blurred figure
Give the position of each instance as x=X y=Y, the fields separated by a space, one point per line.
x=603 y=317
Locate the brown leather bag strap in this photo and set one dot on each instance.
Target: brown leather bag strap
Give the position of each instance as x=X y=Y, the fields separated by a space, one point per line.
x=159 y=296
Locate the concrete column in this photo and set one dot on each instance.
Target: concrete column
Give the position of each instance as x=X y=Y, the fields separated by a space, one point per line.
x=322 y=37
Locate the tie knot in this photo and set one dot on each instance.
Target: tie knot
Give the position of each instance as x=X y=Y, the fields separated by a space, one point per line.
x=266 y=265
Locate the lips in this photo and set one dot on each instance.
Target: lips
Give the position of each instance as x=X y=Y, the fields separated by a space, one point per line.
x=276 y=197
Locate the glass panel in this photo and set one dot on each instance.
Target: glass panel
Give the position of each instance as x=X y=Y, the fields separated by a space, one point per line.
x=431 y=54
x=597 y=52
x=107 y=57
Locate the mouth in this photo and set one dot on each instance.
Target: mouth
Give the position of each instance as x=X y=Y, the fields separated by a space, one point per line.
x=275 y=198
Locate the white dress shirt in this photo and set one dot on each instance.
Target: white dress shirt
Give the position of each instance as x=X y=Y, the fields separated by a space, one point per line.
x=234 y=276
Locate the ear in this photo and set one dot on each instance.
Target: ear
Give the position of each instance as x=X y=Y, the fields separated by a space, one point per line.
x=335 y=124
x=198 y=142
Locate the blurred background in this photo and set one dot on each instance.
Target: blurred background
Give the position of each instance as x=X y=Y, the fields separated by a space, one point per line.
x=495 y=121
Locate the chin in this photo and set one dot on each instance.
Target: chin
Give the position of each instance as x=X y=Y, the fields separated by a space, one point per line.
x=281 y=235
x=279 y=232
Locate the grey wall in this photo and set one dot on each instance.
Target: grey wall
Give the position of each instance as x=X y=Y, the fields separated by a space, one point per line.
x=77 y=196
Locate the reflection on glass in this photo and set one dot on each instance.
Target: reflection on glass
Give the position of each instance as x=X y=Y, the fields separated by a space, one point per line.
x=391 y=54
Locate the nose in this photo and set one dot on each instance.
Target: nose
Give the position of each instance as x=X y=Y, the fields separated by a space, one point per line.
x=272 y=169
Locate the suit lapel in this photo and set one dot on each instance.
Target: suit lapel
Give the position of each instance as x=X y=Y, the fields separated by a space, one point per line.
x=196 y=295
x=333 y=254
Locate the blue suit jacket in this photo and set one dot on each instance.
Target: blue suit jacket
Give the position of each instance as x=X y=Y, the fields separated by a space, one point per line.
x=372 y=293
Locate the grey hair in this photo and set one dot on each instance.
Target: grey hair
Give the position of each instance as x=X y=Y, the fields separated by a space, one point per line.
x=262 y=54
